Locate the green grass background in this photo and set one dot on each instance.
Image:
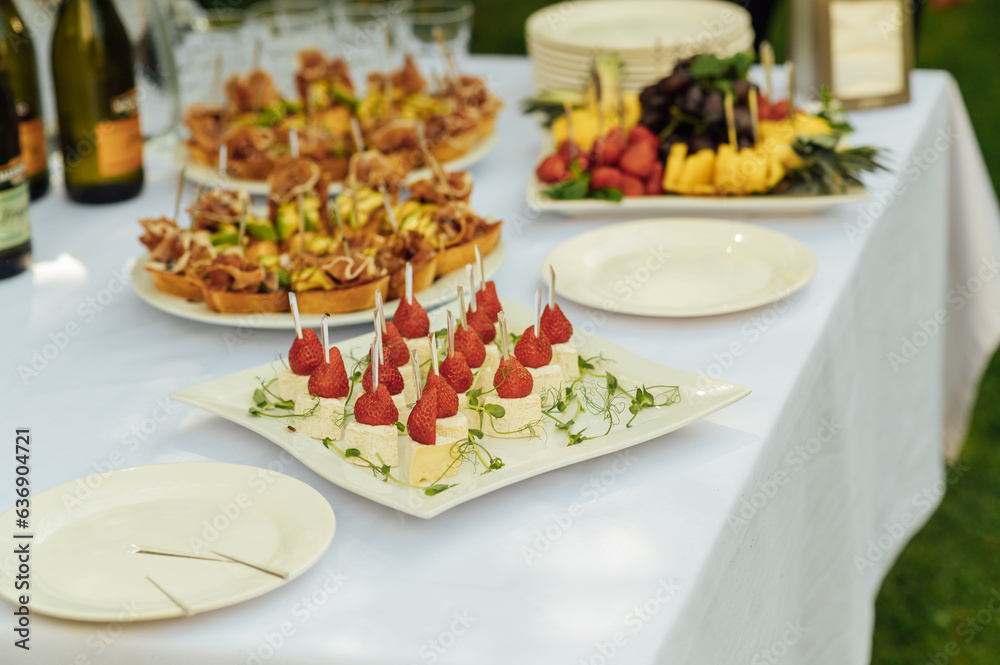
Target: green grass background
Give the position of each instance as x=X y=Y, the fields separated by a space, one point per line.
x=949 y=571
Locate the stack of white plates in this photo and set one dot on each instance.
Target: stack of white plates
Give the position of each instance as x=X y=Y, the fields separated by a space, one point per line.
x=648 y=35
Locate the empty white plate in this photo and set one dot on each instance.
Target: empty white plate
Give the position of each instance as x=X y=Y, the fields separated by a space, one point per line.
x=82 y=551
x=680 y=267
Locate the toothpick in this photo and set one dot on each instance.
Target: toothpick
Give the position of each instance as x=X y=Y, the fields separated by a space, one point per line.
x=243 y=225
x=379 y=312
x=216 y=88
x=502 y=317
x=373 y=359
x=552 y=287
x=180 y=190
x=388 y=206
x=568 y=110
x=359 y=142
x=538 y=312
x=790 y=67
x=767 y=60
x=472 y=288
x=730 y=119
x=432 y=337
x=326 y=337
x=461 y=307
x=293 y=142
x=223 y=162
x=451 y=333
x=754 y=115
x=435 y=166
x=197 y=203
x=340 y=227
x=416 y=372
x=449 y=57
x=293 y=305
x=409 y=283
x=482 y=273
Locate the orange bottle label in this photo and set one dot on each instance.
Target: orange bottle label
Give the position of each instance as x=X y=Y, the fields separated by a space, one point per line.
x=119 y=147
x=33 y=146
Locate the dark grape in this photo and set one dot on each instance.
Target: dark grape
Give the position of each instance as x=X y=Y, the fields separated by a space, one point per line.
x=692 y=100
x=713 y=110
x=741 y=117
x=674 y=83
x=741 y=88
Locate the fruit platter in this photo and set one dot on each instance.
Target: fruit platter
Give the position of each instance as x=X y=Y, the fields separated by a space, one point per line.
x=377 y=240
x=248 y=135
x=431 y=410
x=703 y=138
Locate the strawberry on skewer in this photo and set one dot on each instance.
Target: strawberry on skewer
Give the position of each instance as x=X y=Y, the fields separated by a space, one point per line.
x=467 y=340
x=559 y=330
x=326 y=399
x=534 y=351
x=413 y=323
x=304 y=355
x=515 y=393
x=486 y=294
x=388 y=374
x=373 y=430
x=397 y=353
x=477 y=319
x=429 y=450
x=454 y=369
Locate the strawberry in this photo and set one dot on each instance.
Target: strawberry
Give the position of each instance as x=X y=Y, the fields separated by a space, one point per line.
x=422 y=422
x=447 y=398
x=480 y=322
x=553 y=169
x=411 y=320
x=394 y=346
x=641 y=134
x=603 y=177
x=488 y=301
x=470 y=344
x=455 y=370
x=632 y=186
x=512 y=381
x=582 y=161
x=376 y=408
x=555 y=326
x=330 y=379
x=388 y=376
x=607 y=149
x=305 y=353
x=533 y=351
x=654 y=183
x=638 y=159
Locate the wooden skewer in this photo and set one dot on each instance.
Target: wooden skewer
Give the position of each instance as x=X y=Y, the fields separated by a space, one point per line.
x=293 y=305
x=184 y=608
x=730 y=120
x=451 y=333
x=388 y=206
x=409 y=283
x=264 y=569
x=538 y=312
x=754 y=115
x=243 y=225
x=767 y=60
x=790 y=66
x=461 y=307
x=482 y=272
x=432 y=338
x=470 y=273
x=340 y=227
x=325 y=329
x=197 y=203
x=180 y=190
x=502 y=317
x=415 y=363
x=432 y=162
x=216 y=90
x=552 y=287
x=446 y=53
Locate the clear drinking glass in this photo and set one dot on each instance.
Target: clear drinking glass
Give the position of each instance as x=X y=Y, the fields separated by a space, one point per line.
x=209 y=47
x=279 y=30
x=425 y=18
x=371 y=35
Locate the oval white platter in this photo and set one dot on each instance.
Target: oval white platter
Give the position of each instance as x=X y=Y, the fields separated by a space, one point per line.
x=200 y=174
x=680 y=267
x=231 y=396
x=84 y=566
x=443 y=290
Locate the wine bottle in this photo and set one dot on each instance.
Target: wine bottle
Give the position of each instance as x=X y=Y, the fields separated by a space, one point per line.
x=17 y=55
x=93 y=72
x=15 y=229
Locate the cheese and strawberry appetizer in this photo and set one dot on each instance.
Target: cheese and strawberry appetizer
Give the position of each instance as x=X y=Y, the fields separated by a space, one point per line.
x=397 y=353
x=306 y=353
x=413 y=324
x=391 y=379
x=450 y=422
x=428 y=452
x=456 y=371
x=516 y=394
x=470 y=344
x=559 y=331
x=373 y=430
x=486 y=295
x=326 y=401
x=534 y=352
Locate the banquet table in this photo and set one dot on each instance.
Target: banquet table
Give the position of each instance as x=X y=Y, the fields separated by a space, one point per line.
x=761 y=533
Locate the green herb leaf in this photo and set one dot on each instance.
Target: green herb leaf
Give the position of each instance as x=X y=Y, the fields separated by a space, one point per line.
x=436 y=489
x=352 y=452
x=495 y=410
x=477 y=433
x=400 y=426
x=612 y=381
x=607 y=194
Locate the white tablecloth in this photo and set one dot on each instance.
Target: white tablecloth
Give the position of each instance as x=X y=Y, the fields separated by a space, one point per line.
x=762 y=532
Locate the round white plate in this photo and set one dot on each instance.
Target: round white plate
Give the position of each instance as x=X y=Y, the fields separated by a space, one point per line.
x=634 y=25
x=208 y=176
x=680 y=267
x=443 y=290
x=83 y=566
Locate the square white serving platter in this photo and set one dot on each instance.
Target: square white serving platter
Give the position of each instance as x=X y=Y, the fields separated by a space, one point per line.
x=231 y=397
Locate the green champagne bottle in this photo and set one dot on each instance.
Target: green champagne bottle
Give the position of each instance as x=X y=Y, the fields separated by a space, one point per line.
x=17 y=55
x=93 y=71
x=15 y=229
